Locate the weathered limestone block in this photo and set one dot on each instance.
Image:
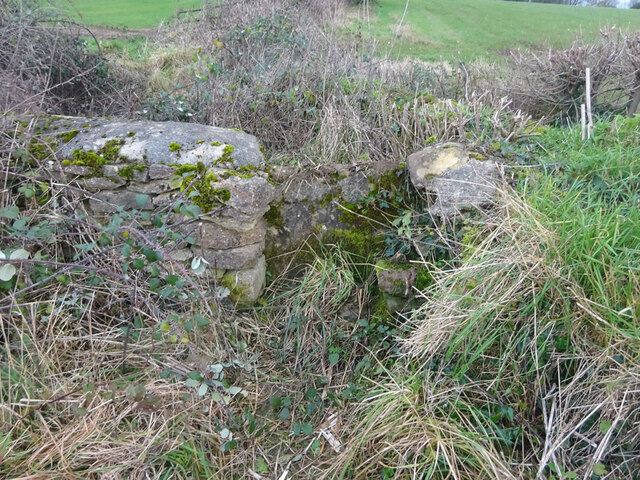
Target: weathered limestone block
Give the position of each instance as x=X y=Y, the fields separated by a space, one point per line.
x=152 y=143
x=78 y=170
x=434 y=160
x=157 y=172
x=117 y=171
x=109 y=201
x=249 y=197
x=453 y=178
x=246 y=285
x=234 y=258
x=96 y=184
x=213 y=236
x=153 y=187
x=470 y=186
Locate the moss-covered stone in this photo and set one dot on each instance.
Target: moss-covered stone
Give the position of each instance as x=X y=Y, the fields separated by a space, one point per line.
x=110 y=151
x=91 y=160
x=226 y=155
x=175 y=147
x=274 y=216
x=196 y=181
x=128 y=172
x=68 y=136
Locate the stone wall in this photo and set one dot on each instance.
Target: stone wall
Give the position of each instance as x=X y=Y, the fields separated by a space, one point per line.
x=135 y=165
x=239 y=207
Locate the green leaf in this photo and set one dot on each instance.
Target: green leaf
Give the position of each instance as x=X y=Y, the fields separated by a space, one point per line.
x=599 y=469
x=334 y=358
x=171 y=279
x=10 y=212
x=19 y=254
x=284 y=414
x=307 y=429
x=605 y=426
x=216 y=397
x=142 y=199
x=195 y=375
x=192 y=383
x=138 y=263
x=201 y=321
x=7 y=271
x=261 y=466
x=275 y=402
x=203 y=390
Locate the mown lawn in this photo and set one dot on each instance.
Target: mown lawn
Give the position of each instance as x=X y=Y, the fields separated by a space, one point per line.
x=467 y=29
x=125 y=13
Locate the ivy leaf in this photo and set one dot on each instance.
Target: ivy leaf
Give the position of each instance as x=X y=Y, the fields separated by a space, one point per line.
x=142 y=199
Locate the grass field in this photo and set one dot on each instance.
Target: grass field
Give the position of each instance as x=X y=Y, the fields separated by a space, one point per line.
x=125 y=13
x=472 y=28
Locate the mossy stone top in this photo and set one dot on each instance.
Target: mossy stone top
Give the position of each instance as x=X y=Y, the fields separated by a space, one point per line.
x=151 y=143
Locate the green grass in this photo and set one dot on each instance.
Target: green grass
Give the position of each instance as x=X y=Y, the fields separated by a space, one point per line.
x=467 y=29
x=125 y=13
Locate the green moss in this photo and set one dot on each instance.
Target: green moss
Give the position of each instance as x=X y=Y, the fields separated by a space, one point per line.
x=110 y=151
x=430 y=140
x=128 y=171
x=182 y=169
x=226 y=155
x=238 y=173
x=196 y=181
x=393 y=180
x=68 y=136
x=199 y=142
x=106 y=155
x=91 y=160
x=215 y=144
x=85 y=125
x=384 y=264
x=477 y=156
x=365 y=245
x=66 y=163
x=237 y=293
x=424 y=279
x=274 y=216
x=131 y=134
x=175 y=147
x=40 y=150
